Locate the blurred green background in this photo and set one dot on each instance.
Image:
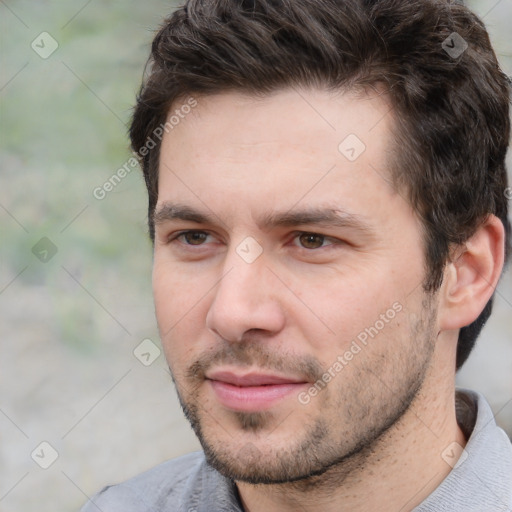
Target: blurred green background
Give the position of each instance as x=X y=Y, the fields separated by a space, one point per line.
x=75 y=294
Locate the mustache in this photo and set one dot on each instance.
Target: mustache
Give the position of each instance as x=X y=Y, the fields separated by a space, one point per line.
x=248 y=354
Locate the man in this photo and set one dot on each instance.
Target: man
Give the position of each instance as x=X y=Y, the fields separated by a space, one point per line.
x=327 y=201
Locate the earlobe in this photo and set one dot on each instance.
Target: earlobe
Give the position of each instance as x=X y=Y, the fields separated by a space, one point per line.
x=472 y=276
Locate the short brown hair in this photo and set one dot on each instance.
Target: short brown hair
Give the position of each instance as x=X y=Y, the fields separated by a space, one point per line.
x=452 y=110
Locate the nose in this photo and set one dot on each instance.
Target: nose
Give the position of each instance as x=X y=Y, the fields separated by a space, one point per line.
x=247 y=298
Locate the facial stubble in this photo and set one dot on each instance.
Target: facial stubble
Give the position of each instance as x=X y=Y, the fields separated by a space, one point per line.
x=373 y=405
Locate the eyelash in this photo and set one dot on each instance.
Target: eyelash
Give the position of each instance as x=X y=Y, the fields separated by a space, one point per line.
x=296 y=235
x=188 y=231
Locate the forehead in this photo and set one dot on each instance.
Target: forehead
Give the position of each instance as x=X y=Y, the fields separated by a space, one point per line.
x=268 y=153
x=292 y=116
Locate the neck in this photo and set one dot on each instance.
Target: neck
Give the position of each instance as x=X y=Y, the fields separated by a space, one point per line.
x=397 y=472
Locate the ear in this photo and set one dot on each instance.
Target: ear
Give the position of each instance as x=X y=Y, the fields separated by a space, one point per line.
x=472 y=275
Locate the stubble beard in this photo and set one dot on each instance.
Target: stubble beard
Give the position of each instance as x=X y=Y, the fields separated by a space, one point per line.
x=322 y=453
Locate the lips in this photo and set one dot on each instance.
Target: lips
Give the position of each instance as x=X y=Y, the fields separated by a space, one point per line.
x=252 y=392
x=251 y=379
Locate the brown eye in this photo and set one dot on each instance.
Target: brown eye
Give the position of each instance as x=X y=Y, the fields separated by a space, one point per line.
x=311 y=240
x=194 y=237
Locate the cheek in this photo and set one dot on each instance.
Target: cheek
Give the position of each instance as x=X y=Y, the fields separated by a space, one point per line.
x=180 y=303
x=182 y=345
x=334 y=313
x=181 y=332
x=166 y=294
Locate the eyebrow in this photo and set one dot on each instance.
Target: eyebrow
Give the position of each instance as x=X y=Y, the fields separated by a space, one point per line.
x=328 y=217
x=318 y=216
x=170 y=211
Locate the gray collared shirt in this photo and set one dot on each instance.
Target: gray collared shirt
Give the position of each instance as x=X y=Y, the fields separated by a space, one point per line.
x=480 y=482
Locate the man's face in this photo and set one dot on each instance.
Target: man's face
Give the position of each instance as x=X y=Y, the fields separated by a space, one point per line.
x=287 y=280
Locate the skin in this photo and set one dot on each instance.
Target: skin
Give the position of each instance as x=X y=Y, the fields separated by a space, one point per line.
x=385 y=417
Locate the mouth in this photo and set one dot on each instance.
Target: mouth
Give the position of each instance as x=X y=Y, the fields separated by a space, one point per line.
x=252 y=392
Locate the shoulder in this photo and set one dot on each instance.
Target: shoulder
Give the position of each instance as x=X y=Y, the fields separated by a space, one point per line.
x=166 y=484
